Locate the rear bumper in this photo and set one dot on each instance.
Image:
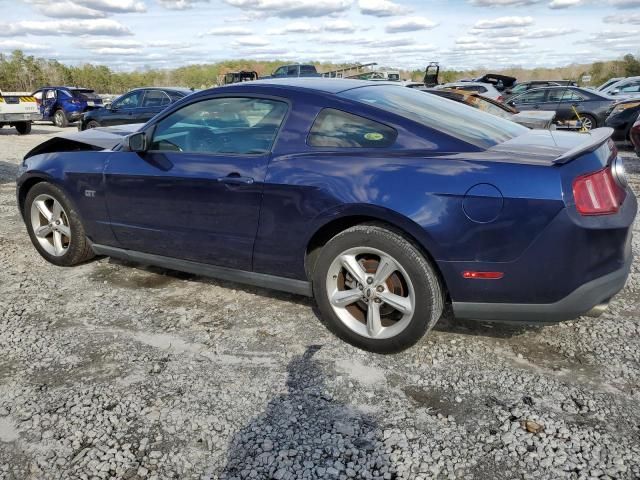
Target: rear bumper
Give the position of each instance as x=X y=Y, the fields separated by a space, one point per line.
x=577 y=303
x=19 y=117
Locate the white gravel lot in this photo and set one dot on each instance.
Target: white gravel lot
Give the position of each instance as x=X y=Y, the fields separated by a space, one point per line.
x=115 y=371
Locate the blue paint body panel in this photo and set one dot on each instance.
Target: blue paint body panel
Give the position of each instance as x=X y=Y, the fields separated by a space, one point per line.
x=508 y=208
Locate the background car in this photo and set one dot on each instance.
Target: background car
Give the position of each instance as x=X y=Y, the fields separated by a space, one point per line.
x=485 y=89
x=621 y=118
x=63 y=105
x=608 y=83
x=380 y=201
x=592 y=106
x=532 y=119
x=525 y=86
x=627 y=87
x=136 y=106
x=635 y=135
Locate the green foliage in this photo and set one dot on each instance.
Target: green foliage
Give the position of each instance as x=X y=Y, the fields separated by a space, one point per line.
x=19 y=72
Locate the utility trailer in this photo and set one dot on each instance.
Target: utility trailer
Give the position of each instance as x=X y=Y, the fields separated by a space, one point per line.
x=19 y=110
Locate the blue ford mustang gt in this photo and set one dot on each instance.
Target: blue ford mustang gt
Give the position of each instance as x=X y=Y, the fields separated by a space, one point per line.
x=382 y=202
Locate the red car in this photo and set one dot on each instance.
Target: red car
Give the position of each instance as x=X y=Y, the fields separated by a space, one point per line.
x=634 y=134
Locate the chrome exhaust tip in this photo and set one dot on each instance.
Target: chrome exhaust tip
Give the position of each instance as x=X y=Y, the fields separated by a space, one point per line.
x=598 y=310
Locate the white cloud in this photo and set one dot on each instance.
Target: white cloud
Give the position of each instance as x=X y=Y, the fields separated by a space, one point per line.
x=252 y=42
x=179 y=4
x=503 y=22
x=100 y=26
x=117 y=51
x=504 y=3
x=231 y=31
x=550 y=32
x=292 y=8
x=69 y=10
x=294 y=27
x=19 y=45
x=109 y=43
x=339 y=25
x=381 y=8
x=633 y=19
x=559 y=4
x=410 y=24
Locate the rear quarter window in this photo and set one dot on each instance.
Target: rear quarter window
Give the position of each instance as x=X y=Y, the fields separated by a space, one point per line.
x=338 y=129
x=465 y=123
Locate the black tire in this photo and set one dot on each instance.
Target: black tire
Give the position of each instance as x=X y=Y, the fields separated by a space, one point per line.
x=23 y=128
x=79 y=248
x=589 y=119
x=429 y=295
x=60 y=119
x=91 y=124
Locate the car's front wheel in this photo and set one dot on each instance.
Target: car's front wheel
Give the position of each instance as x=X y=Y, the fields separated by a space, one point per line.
x=92 y=124
x=376 y=290
x=54 y=226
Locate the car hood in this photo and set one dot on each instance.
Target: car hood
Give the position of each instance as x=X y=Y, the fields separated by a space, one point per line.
x=103 y=138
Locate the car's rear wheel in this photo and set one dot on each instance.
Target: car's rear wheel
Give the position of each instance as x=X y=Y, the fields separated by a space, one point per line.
x=60 y=119
x=376 y=290
x=23 y=128
x=55 y=227
x=92 y=124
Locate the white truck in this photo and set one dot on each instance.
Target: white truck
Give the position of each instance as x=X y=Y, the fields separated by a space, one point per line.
x=19 y=110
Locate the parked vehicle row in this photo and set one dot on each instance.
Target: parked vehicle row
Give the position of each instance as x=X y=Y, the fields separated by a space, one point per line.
x=347 y=191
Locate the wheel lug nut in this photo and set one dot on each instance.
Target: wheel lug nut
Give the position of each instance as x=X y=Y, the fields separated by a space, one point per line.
x=377 y=300
x=360 y=287
x=380 y=288
x=369 y=280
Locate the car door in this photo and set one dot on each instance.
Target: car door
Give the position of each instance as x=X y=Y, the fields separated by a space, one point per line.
x=563 y=100
x=196 y=193
x=531 y=100
x=48 y=106
x=124 y=109
x=153 y=102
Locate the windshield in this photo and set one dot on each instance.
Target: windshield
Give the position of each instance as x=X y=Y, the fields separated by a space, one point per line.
x=459 y=121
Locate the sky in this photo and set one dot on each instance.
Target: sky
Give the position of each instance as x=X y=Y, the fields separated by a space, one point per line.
x=460 y=34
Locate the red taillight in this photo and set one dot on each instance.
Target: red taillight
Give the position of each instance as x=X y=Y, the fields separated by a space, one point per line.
x=482 y=275
x=500 y=98
x=597 y=193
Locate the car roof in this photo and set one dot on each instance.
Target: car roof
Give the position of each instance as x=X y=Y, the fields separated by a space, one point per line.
x=326 y=85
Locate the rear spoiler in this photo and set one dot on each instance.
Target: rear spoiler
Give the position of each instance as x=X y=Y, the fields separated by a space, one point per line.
x=593 y=140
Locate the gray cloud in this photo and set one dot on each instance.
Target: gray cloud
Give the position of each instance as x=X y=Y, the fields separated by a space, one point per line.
x=69 y=10
x=381 y=8
x=504 y=3
x=114 y=6
x=633 y=19
x=625 y=3
x=560 y=4
x=292 y=8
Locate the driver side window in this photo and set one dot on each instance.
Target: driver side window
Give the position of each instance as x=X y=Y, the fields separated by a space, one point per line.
x=232 y=125
x=129 y=101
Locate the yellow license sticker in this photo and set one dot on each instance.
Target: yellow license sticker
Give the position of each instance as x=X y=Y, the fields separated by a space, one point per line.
x=374 y=136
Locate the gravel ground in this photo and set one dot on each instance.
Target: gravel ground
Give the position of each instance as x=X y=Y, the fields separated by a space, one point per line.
x=110 y=370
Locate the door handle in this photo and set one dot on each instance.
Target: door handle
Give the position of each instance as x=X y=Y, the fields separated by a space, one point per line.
x=236 y=179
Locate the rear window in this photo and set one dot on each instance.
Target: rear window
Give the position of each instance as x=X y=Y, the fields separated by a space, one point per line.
x=306 y=69
x=459 y=121
x=334 y=128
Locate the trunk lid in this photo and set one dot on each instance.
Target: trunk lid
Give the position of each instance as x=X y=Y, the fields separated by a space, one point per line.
x=550 y=147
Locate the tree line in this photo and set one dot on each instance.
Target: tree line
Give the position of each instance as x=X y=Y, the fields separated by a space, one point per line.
x=25 y=73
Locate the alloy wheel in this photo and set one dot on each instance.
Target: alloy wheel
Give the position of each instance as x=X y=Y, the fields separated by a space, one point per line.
x=370 y=292
x=50 y=225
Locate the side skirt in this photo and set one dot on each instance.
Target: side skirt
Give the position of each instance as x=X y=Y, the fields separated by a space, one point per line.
x=290 y=285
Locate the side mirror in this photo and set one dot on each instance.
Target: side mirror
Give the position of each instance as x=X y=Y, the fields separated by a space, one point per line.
x=108 y=105
x=615 y=91
x=136 y=142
